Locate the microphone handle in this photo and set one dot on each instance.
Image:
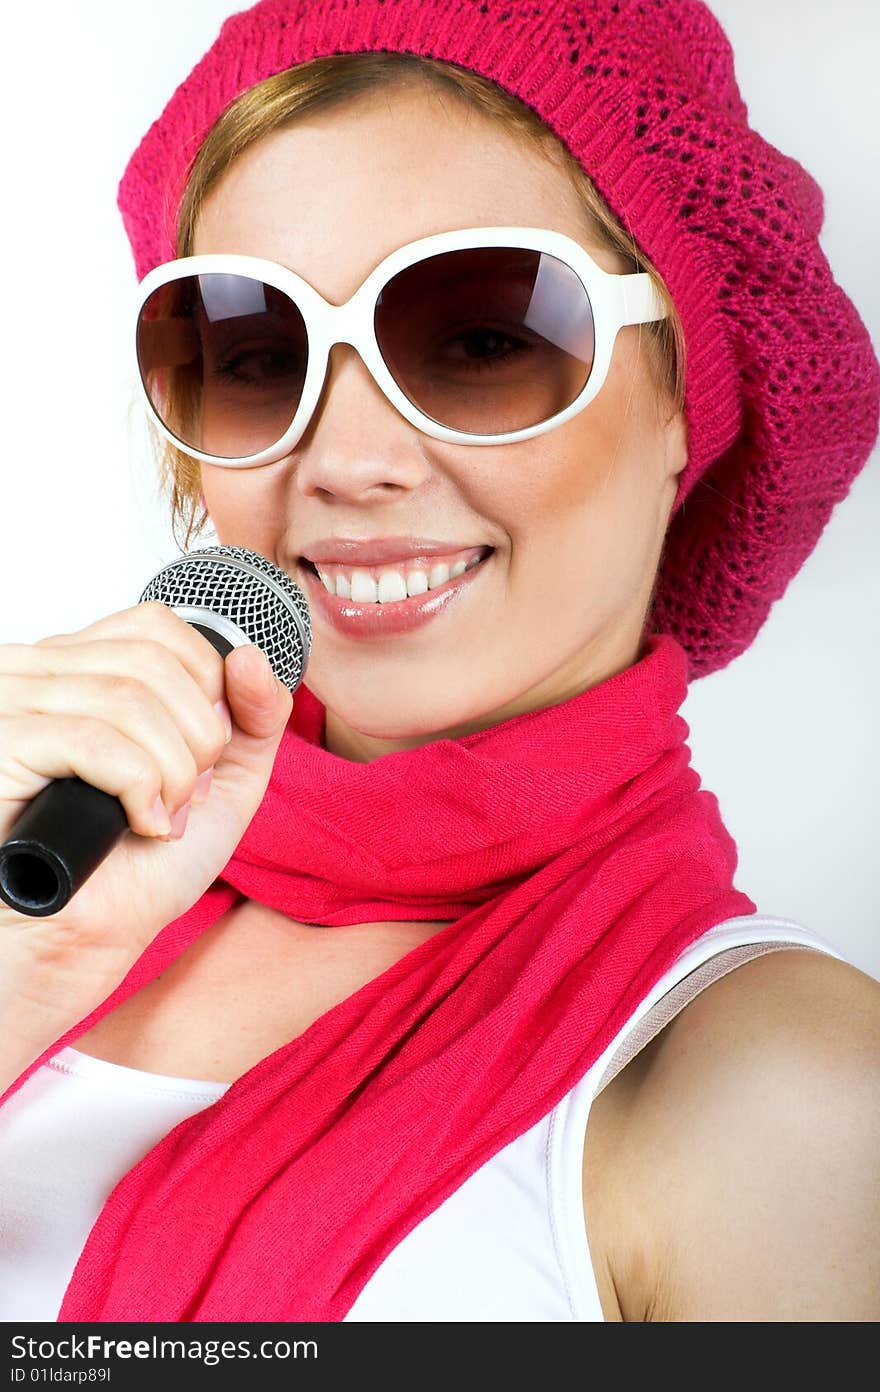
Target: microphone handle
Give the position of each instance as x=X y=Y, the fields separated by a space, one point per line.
x=63 y=835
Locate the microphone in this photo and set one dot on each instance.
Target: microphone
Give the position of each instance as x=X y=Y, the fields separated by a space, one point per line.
x=232 y=596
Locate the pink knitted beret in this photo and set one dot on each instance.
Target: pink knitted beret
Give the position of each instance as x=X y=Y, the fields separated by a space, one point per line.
x=782 y=385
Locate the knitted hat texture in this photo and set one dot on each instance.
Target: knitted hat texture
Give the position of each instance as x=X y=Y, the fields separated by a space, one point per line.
x=782 y=395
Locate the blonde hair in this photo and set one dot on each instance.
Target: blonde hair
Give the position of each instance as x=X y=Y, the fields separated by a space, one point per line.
x=326 y=82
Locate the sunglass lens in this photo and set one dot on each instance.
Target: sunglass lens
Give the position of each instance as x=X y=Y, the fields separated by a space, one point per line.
x=223 y=360
x=487 y=340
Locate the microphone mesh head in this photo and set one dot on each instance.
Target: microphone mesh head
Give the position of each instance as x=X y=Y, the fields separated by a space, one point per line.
x=252 y=593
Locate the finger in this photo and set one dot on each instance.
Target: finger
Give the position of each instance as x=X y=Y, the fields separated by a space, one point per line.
x=81 y=746
x=156 y=623
x=259 y=702
x=193 y=710
x=130 y=707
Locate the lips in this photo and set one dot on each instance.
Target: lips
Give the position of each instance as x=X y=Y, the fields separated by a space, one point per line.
x=349 y=551
x=376 y=620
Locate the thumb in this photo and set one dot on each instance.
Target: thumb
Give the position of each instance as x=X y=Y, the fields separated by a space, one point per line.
x=259 y=703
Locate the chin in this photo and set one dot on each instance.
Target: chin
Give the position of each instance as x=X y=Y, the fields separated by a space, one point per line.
x=405 y=720
x=397 y=725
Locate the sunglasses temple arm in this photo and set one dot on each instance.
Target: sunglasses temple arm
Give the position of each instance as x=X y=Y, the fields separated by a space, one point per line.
x=639 y=300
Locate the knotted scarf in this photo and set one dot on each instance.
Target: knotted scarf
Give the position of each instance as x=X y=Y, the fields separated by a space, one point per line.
x=576 y=856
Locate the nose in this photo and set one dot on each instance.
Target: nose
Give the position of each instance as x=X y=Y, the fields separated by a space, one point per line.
x=357 y=446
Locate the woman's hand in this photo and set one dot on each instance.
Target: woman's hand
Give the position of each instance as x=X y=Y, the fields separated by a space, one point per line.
x=140 y=705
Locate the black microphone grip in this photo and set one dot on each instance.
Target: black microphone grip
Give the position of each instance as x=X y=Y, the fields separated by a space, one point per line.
x=63 y=835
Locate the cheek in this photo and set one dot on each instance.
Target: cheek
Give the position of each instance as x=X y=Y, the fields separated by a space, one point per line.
x=580 y=511
x=553 y=494
x=245 y=504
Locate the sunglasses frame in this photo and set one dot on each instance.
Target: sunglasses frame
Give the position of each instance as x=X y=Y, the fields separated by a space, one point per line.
x=617 y=300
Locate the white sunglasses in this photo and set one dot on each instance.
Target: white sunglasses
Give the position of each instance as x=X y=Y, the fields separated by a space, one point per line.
x=232 y=351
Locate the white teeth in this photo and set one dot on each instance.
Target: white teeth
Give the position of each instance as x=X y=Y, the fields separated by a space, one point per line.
x=391 y=586
x=364 y=589
x=416 y=582
x=437 y=575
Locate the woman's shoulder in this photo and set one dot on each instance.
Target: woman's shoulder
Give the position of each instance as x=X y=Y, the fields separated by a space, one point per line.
x=743 y=1149
x=787 y=1005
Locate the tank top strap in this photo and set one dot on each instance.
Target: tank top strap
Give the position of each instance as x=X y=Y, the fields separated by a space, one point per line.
x=715 y=953
x=675 y=999
x=693 y=972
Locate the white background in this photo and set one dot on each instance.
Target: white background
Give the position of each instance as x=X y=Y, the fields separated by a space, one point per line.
x=786 y=736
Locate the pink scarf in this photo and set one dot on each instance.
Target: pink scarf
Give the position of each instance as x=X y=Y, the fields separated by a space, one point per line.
x=577 y=855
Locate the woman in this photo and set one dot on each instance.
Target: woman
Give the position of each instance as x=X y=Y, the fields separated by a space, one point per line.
x=332 y=1022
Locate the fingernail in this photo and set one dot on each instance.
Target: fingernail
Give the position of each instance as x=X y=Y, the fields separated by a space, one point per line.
x=269 y=679
x=178 y=823
x=201 y=787
x=223 y=711
x=159 y=816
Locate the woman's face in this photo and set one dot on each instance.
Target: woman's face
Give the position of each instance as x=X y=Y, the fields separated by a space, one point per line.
x=575 y=517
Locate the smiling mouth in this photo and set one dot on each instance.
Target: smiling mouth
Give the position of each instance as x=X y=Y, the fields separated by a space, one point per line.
x=391 y=584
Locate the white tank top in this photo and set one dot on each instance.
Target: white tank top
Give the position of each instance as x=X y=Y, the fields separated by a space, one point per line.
x=510 y=1244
